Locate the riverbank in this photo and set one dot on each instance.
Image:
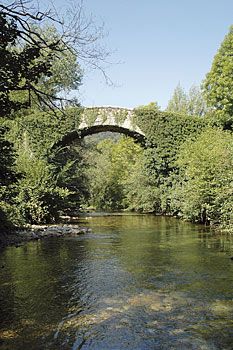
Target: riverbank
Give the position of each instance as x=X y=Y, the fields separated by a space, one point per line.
x=38 y=232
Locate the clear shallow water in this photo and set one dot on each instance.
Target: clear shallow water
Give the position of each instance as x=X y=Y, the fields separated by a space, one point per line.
x=136 y=282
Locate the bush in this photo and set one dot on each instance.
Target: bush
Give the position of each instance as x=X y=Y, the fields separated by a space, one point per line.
x=38 y=198
x=205 y=186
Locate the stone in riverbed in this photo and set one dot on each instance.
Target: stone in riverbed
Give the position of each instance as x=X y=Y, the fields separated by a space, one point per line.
x=37 y=232
x=58 y=230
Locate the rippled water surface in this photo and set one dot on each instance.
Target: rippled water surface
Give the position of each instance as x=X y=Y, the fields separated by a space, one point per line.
x=135 y=282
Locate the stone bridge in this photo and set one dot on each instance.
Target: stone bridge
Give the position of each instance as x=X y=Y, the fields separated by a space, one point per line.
x=102 y=119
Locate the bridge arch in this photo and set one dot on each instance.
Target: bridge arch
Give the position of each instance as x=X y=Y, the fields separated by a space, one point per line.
x=102 y=119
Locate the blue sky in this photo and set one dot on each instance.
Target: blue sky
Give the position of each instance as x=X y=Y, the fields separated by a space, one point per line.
x=159 y=43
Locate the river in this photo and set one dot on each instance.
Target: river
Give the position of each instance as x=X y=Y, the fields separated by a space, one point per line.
x=135 y=282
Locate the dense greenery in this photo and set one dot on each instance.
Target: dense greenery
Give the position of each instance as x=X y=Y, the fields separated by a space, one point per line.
x=165 y=132
x=50 y=179
x=39 y=66
x=111 y=165
x=7 y=178
x=21 y=68
x=218 y=84
x=185 y=168
x=204 y=192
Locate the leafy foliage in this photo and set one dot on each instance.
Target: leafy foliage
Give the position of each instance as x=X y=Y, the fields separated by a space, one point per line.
x=141 y=194
x=44 y=129
x=218 y=84
x=7 y=178
x=37 y=65
x=39 y=199
x=111 y=165
x=25 y=59
x=51 y=178
x=186 y=168
x=205 y=188
x=192 y=103
x=165 y=133
x=20 y=68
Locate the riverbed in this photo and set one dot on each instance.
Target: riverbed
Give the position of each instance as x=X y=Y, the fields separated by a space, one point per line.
x=134 y=282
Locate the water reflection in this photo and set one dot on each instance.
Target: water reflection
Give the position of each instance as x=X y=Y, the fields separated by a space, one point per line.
x=136 y=282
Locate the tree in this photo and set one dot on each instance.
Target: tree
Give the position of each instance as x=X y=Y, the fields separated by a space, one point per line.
x=218 y=84
x=38 y=58
x=192 y=103
x=18 y=69
x=47 y=173
x=7 y=177
x=39 y=198
x=26 y=54
x=141 y=194
x=205 y=189
x=178 y=103
x=196 y=102
x=111 y=166
x=65 y=73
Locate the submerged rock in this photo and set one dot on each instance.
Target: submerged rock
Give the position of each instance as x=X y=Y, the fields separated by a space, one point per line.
x=37 y=232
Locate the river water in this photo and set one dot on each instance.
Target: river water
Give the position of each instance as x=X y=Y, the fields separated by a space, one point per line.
x=135 y=282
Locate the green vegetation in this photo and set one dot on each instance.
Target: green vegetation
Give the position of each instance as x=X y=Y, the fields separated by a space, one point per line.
x=50 y=179
x=185 y=169
x=218 y=84
x=39 y=67
x=192 y=103
x=205 y=187
x=111 y=165
x=165 y=132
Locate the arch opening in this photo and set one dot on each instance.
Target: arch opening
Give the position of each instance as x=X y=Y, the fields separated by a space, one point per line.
x=95 y=129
